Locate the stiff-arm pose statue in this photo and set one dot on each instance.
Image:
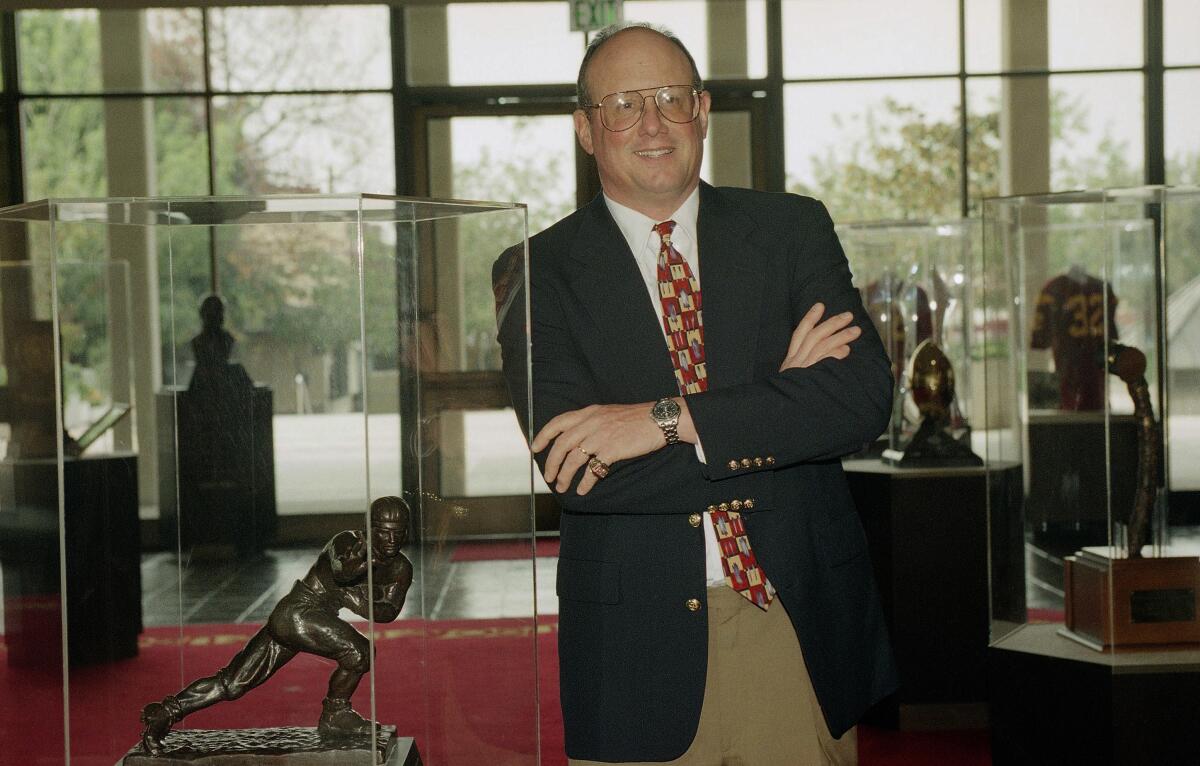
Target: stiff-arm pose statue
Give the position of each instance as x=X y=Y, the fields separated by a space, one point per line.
x=306 y=620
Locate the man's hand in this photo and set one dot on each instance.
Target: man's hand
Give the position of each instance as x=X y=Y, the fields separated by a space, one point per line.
x=814 y=340
x=611 y=432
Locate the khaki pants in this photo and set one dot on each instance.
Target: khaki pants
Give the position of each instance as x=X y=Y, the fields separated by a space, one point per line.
x=759 y=705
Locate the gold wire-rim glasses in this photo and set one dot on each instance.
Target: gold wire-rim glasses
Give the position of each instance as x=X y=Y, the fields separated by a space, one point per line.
x=665 y=108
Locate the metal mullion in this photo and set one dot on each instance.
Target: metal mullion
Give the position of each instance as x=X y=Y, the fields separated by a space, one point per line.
x=964 y=159
x=15 y=176
x=214 y=275
x=403 y=156
x=950 y=75
x=776 y=176
x=1154 y=169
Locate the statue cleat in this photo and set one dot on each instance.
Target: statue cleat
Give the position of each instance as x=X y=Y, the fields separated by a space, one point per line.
x=340 y=722
x=158 y=719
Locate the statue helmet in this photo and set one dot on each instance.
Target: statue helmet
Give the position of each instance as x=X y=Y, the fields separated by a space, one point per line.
x=390 y=512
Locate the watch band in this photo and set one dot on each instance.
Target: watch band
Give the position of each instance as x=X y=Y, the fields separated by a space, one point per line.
x=668 y=423
x=671 y=431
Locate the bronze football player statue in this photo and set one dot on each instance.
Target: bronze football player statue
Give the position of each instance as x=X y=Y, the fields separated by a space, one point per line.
x=306 y=620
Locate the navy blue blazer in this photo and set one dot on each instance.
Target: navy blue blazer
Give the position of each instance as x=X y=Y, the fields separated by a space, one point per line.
x=632 y=656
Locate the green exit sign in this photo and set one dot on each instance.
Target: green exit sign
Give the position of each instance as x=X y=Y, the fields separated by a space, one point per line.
x=590 y=15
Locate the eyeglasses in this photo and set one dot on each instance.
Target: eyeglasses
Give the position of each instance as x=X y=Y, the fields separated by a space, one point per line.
x=622 y=110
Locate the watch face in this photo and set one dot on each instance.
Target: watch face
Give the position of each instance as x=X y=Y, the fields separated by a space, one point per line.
x=665 y=409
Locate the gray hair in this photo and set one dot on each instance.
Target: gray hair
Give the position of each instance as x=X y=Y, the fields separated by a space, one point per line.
x=611 y=31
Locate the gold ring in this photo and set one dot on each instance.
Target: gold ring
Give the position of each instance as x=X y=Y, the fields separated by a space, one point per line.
x=598 y=467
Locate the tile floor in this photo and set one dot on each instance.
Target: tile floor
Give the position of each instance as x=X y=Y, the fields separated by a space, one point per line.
x=232 y=591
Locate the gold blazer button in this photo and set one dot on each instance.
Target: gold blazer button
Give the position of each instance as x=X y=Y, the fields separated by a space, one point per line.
x=733 y=464
x=693 y=604
x=745 y=462
x=694 y=519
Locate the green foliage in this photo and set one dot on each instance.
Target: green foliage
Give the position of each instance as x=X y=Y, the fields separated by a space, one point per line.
x=530 y=178
x=59 y=51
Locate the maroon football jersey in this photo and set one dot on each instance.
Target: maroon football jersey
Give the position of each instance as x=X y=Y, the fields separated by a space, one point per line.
x=1069 y=320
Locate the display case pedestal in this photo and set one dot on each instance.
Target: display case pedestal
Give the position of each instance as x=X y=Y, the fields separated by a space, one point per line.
x=104 y=579
x=1055 y=701
x=930 y=558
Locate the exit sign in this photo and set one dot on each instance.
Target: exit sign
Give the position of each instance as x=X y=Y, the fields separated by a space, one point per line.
x=590 y=15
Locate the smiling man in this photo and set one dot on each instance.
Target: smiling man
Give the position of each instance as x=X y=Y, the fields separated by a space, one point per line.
x=700 y=362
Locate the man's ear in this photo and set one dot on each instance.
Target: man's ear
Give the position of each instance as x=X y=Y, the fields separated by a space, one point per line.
x=705 y=106
x=583 y=131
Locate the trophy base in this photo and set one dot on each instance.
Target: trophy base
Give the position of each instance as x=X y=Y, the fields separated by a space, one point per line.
x=1132 y=602
x=290 y=745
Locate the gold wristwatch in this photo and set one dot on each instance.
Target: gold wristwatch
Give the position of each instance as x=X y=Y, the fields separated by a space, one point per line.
x=666 y=414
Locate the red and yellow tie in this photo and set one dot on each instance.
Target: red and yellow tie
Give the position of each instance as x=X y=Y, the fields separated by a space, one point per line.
x=683 y=323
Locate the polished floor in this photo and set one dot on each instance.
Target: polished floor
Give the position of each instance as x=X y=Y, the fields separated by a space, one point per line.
x=182 y=590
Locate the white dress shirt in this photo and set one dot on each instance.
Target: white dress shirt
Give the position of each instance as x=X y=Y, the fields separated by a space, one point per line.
x=644 y=243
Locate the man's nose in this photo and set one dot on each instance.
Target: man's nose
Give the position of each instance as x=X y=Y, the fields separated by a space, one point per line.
x=652 y=120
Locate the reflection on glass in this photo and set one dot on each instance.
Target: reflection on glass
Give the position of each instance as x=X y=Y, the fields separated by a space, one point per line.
x=1182 y=142
x=296 y=48
x=875 y=150
x=1097 y=137
x=272 y=144
x=1183 y=341
x=869 y=37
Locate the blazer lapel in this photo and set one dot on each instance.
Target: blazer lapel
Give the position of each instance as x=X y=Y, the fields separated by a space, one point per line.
x=609 y=287
x=732 y=290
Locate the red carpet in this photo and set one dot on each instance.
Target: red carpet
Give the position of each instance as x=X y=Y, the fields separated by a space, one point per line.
x=464 y=688
x=502 y=550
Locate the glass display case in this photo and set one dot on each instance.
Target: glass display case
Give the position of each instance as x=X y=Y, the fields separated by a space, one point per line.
x=915 y=283
x=1087 y=296
x=261 y=473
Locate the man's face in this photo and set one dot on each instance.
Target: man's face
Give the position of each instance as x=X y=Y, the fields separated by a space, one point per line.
x=653 y=166
x=387 y=540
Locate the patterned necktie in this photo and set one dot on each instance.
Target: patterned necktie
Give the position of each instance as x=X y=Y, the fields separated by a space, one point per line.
x=683 y=324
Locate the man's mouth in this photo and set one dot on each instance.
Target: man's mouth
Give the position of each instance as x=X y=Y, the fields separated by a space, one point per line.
x=654 y=153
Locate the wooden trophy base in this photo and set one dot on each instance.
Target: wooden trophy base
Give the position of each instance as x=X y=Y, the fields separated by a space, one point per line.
x=1131 y=602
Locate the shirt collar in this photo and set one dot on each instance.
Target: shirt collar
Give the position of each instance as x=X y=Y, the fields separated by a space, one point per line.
x=639 y=228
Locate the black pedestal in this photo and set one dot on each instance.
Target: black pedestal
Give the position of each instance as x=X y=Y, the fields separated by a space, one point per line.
x=1054 y=701
x=928 y=534
x=103 y=557
x=216 y=468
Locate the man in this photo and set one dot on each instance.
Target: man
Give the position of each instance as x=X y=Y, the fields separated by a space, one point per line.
x=690 y=407
x=306 y=620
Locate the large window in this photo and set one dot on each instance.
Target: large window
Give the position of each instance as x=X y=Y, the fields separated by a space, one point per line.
x=879 y=97
x=882 y=109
